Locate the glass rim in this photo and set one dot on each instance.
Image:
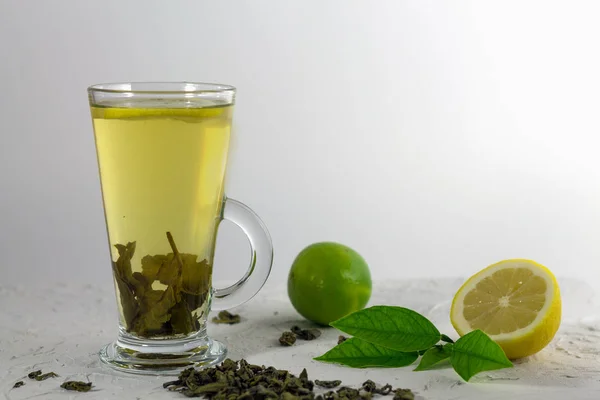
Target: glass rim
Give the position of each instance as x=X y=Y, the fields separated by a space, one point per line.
x=184 y=87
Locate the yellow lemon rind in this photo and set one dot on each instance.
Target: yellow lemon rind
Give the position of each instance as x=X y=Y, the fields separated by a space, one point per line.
x=530 y=339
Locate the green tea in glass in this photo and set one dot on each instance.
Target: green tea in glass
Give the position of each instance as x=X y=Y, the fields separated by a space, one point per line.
x=162 y=155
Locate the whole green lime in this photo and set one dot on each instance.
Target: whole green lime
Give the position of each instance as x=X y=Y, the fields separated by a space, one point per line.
x=328 y=281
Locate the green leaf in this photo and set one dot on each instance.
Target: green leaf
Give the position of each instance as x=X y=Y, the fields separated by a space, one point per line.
x=170 y=271
x=396 y=328
x=194 y=301
x=125 y=282
x=434 y=356
x=122 y=267
x=447 y=339
x=476 y=352
x=154 y=310
x=151 y=265
x=182 y=320
x=195 y=277
x=140 y=284
x=149 y=311
x=357 y=353
x=127 y=301
x=163 y=268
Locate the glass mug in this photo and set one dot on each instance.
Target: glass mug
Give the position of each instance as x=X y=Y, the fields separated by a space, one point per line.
x=162 y=154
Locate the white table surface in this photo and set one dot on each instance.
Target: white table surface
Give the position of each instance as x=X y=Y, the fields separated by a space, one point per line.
x=61 y=328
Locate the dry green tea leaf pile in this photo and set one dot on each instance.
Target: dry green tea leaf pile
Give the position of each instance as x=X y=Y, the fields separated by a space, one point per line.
x=243 y=381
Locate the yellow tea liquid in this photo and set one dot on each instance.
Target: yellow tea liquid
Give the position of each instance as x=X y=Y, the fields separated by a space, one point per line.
x=162 y=168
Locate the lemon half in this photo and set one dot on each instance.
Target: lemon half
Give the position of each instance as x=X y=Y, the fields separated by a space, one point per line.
x=516 y=302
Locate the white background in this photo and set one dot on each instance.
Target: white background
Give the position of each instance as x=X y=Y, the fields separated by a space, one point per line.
x=434 y=137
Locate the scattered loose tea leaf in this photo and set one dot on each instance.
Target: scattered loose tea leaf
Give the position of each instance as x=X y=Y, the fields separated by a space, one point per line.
x=18 y=384
x=288 y=396
x=43 y=377
x=327 y=384
x=303 y=375
x=33 y=374
x=306 y=334
x=287 y=338
x=384 y=390
x=307 y=385
x=348 y=392
x=403 y=394
x=341 y=339
x=369 y=386
x=77 y=386
x=225 y=317
x=209 y=388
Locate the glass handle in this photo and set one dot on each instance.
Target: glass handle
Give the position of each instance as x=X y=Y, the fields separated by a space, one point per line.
x=261 y=257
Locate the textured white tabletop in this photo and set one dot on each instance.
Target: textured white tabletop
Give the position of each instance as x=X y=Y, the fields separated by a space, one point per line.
x=61 y=328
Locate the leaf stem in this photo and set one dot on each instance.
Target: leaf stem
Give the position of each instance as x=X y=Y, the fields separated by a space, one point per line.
x=175 y=251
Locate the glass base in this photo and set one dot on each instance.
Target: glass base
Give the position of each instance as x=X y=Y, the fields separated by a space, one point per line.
x=162 y=357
